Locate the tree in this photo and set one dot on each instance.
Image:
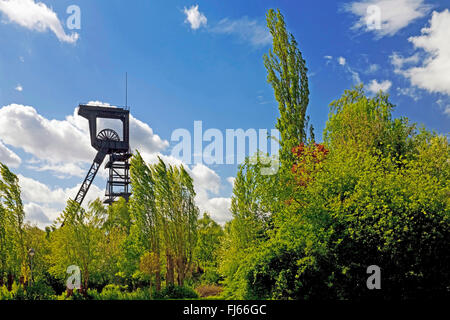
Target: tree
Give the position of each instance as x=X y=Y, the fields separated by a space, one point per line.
x=287 y=73
x=145 y=230
x=175 y=202
x=209 y=238
x=13 y=254
x=149 y=265
x=77 y=242
x=164 y=217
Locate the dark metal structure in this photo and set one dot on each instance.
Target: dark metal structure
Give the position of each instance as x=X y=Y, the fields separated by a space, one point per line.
x=108 y=143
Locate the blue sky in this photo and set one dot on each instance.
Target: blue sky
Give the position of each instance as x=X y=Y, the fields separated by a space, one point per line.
x=197 y=60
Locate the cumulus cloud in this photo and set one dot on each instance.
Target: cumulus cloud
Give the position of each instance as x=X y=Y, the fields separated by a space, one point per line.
x=374 y=86
x=19 y=88
x=43 y=204
x=63 y=146
x=195 y=18
x=8 y=157
x=35 y=16
x=205 y=178
x=393 y=15
x=38 y=215
x=218 y=208
x=38 y=192
x=248 y=30
x=433 y=74
x=207 y=182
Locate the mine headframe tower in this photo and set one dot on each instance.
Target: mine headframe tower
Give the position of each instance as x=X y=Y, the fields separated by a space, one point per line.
x=108 y=143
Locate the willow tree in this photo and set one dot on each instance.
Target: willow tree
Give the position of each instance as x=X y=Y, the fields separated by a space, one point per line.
x=287 y=74
x=13 y=253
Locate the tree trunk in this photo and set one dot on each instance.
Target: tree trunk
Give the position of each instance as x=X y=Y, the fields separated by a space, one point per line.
x=10 y=281
x=158 y=274
x=150 y=287
x=180 y=271
x=170 y=270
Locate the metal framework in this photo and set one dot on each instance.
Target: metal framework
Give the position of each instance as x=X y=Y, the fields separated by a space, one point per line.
x=107 y=142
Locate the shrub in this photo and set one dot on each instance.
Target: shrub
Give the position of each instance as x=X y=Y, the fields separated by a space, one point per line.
x=208 y=290
x=5 y=294
x=39 y=291
x=176 y=292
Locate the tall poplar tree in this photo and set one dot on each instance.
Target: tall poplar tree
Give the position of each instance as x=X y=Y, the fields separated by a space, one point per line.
x=287 y=73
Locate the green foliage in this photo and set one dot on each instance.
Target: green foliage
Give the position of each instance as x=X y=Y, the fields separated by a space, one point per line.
x=78 y=241
x=207 y=249
x=176 y=292
x=360 y=123
x=164 y=218
x=377 y=198
x=40 y=291
x=13 y=253
x=36 y=291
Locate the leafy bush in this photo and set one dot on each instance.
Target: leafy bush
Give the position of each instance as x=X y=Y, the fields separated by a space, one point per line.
x=40 y=291
x=5 y=294
x=208 y=290
x=176 y=292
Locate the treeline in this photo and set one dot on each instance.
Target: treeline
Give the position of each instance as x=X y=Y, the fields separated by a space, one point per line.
x=156 y=236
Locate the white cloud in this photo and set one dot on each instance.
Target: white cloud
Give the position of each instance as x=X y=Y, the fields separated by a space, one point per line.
x=207 y=181
x=38 y=192
x=398 y=61
x=394 y=15
x=218 y=208
x=43 y=204
x=35 y=16
x=231 y=181
x=195 y=18
x=205 y=178
x=63 y=146
x=19 y=88
x=374 y=86
x=433 y=74
x=409 y=92
x=39 y=215
x=342 y=61
x=444 y=105
x=8 y=157
x=250 y=31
